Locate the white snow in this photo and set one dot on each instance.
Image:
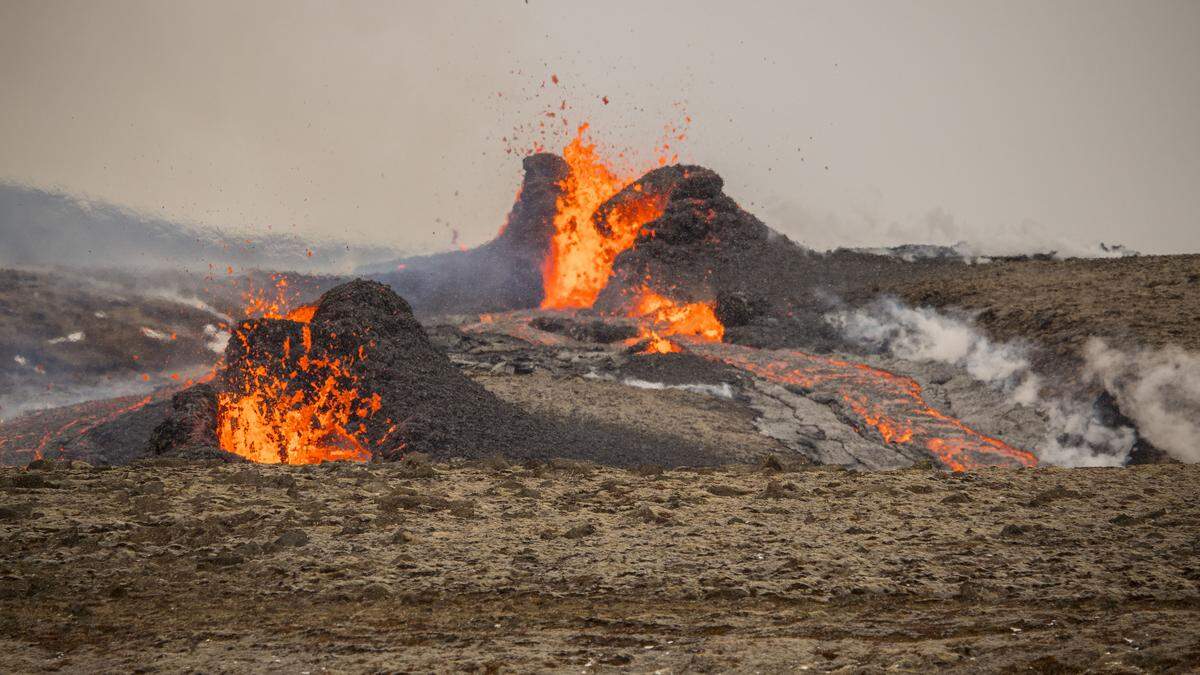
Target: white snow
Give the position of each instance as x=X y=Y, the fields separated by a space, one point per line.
x=77 y=336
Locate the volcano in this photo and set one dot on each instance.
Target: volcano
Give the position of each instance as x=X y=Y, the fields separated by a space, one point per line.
x=502 y=274
x=352 y=377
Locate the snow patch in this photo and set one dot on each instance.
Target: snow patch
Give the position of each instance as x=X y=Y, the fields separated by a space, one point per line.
x=77 y=336
x=154 y=334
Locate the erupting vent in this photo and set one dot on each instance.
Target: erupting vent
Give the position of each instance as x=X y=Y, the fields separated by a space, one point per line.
x=298 y=410
x=662 y=317
x=582 y=251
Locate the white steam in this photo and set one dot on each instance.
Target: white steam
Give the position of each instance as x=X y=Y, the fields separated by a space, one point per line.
x=155 y=334
x=77 y=336
x=215 y=339
x=192 y=301
x=1159 y=389
x=923 y=334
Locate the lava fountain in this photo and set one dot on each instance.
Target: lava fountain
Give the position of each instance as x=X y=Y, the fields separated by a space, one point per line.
x=582 y=250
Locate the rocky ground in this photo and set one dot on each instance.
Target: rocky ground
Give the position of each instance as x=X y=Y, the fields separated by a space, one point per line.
x=568 y=566
x=1142 y=301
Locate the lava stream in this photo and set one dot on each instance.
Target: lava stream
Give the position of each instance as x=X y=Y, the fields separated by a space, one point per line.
x=890 y=404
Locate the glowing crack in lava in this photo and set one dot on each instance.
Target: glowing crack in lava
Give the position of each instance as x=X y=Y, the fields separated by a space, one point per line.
x=890 y=404
x=662 y=317
x=300 y=410
x=581 y=255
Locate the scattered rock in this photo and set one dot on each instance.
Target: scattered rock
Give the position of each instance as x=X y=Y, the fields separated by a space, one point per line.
x=1052 y=495
x=725 y=491
x=1126 y=519
x=15 y=511
x=778 y=490
x=648 y=514
x=291 y=539
x=580 y=531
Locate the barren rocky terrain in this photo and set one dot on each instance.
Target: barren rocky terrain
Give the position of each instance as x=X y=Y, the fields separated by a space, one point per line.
x=568 y=566
x=1142 y=301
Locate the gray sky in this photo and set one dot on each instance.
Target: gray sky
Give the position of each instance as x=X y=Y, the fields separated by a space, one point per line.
x=1007 y=124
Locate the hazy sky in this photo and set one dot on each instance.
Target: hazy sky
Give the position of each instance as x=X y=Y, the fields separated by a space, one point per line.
x=1010 y=123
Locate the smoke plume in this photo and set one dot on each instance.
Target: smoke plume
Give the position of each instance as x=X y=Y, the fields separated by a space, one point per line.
x=1158 y=388
x=1077 y=431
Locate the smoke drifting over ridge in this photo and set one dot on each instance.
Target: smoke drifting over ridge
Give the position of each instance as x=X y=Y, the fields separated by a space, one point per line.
x=1159 y=390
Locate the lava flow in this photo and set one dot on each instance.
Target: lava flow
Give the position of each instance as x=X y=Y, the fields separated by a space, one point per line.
x=890 y=404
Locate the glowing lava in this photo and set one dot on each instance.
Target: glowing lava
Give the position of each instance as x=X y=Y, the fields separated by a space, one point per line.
x=662 y=317
x=298 y=411
x=581 y=253
x=301 y=408
x=889 y=404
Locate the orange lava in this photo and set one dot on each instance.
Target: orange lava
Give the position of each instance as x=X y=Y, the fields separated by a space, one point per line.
x=890 y=404
x=303 y=417
x=581 y=255
x=302 y=314
x=268 y=302
x=662 y=317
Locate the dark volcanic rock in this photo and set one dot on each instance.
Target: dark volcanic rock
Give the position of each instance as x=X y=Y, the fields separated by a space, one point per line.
x=679 y=368
x=738 y=309
x=505 y=273
x=596 y=330
x=190 y=428
x=769 y=291
x=433 y=407
x=701 y=233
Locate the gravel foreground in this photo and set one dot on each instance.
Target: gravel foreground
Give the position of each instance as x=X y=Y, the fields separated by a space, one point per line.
x=571 y=567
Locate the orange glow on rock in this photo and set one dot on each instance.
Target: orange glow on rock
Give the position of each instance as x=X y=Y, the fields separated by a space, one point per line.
x=301 y=417
x=662 y=317
x=581 y=254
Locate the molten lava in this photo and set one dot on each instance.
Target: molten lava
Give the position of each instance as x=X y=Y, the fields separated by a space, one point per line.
x=890 y=404
x=581 y=254
x=299 y=411
x=662 y=317
x=302 y=314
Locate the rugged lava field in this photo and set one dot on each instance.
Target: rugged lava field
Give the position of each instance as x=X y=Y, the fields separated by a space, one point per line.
x=568 y=566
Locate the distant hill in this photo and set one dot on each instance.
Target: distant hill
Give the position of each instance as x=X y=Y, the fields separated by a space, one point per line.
x=39 y=227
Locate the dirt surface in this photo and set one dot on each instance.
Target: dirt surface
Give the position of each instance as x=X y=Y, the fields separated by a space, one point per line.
x=723 y=428
x=566 y=566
